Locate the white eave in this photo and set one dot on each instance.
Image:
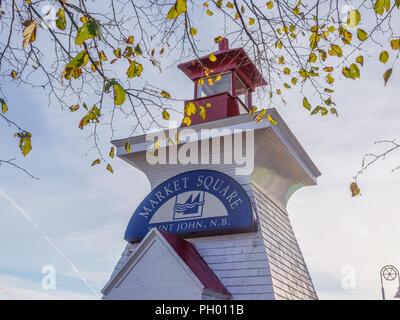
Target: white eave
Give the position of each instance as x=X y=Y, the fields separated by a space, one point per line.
x=242 y=122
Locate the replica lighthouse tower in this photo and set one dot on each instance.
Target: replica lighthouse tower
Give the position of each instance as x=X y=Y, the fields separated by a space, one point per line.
x=215 y=225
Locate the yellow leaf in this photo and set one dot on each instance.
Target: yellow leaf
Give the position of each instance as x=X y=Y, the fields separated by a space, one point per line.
x=354 y=189
x=270 y=119
x=229 y=5
x=109 y=168
x=165 y=114
x=253 y=110
x=200 y=81
x=4 y=107
x=127 y=147
x=74 y=108
x=395 y=43
x=165 y=94
x=112 y=153
x=210 y=81
x=353 y=18
x=102 y=56
x=202 y=112
x=130 y=39
x=329 y=79
x=335 y=50
x=187 y=121
x=306 y=104
x=97 y=161
x=179 y=7
x=14 y=74
x=212 y=57
x=217 y=78
x=190 y=109
x=270 y=4
x=362 y=35
x=193 y=31
x=218 y=39
x=117 y=53
x=209 y=12
x=251 y=21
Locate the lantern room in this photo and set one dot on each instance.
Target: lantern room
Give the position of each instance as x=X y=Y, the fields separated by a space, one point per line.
x=223 y=84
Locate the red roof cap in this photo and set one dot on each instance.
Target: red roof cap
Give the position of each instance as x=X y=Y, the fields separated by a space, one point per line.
x=227 y=60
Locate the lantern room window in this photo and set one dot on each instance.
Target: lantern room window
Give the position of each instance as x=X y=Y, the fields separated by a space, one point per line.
x=241 y=91
x=222 y=85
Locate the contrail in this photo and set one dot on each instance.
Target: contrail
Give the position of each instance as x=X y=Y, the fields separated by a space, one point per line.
x=22 y=211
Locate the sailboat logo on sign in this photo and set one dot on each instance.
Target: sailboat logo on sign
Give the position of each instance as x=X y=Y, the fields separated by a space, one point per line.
x=191 y=208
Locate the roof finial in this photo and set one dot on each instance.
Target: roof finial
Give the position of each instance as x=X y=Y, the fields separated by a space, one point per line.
x=223 y=44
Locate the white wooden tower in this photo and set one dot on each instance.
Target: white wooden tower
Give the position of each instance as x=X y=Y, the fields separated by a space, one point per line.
x=200 y=240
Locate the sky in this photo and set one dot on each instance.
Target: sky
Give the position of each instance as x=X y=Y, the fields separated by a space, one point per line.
x=74 y=216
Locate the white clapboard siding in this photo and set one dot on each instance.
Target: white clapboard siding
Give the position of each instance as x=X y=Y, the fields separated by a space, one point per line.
x=289 y=273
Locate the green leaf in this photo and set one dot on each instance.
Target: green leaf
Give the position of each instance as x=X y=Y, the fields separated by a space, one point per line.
x=384 y=56
x=25 y=143
x=387 y=75
x=316 y=110
x=89 y=30
x=306 y=104
x=61 y=22
x=138 y=51
x=360 y=60
x=74 y=66
x=134 y=70
x=4 y=107
x=354 y=71
x=362 y=35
